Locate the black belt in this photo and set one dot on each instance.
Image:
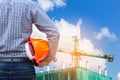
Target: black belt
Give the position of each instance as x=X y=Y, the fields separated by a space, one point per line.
x=25 y=60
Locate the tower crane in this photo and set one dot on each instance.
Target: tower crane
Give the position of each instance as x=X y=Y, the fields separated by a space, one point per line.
x=76 y=54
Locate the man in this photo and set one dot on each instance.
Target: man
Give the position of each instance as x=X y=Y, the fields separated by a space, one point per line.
x=16 y=19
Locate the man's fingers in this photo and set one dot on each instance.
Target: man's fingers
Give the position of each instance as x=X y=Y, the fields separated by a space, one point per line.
x=43 y=63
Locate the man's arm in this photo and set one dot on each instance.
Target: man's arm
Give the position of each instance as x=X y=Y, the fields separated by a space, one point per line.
x=45 y=25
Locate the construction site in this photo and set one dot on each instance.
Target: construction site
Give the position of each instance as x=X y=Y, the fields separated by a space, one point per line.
x=75 y=71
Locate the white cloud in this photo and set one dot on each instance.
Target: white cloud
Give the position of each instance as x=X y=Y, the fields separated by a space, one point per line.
x=59 y=2
x=50 y=4
x=67 y=30
x=104 y=32
x=118 y=76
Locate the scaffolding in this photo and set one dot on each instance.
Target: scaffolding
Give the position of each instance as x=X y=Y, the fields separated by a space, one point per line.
x=77 y=73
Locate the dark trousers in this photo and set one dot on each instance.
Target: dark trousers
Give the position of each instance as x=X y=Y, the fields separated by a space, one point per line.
x=17 y=71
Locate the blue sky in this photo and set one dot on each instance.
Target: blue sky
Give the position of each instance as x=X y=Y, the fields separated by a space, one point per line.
x=100 y=24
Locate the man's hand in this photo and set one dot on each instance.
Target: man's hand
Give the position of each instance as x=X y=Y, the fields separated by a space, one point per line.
x=44 y=62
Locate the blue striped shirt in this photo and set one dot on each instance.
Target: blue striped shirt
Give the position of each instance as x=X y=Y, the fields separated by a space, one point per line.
x=16 y=19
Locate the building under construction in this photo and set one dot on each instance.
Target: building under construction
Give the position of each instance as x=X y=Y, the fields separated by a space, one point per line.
x=71 y=74
x=75 y=72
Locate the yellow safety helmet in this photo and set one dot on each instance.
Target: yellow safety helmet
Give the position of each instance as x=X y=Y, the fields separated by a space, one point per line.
x=37 y=49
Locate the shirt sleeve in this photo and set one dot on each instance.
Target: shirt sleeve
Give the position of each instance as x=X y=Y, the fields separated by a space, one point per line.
x=45 y=25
